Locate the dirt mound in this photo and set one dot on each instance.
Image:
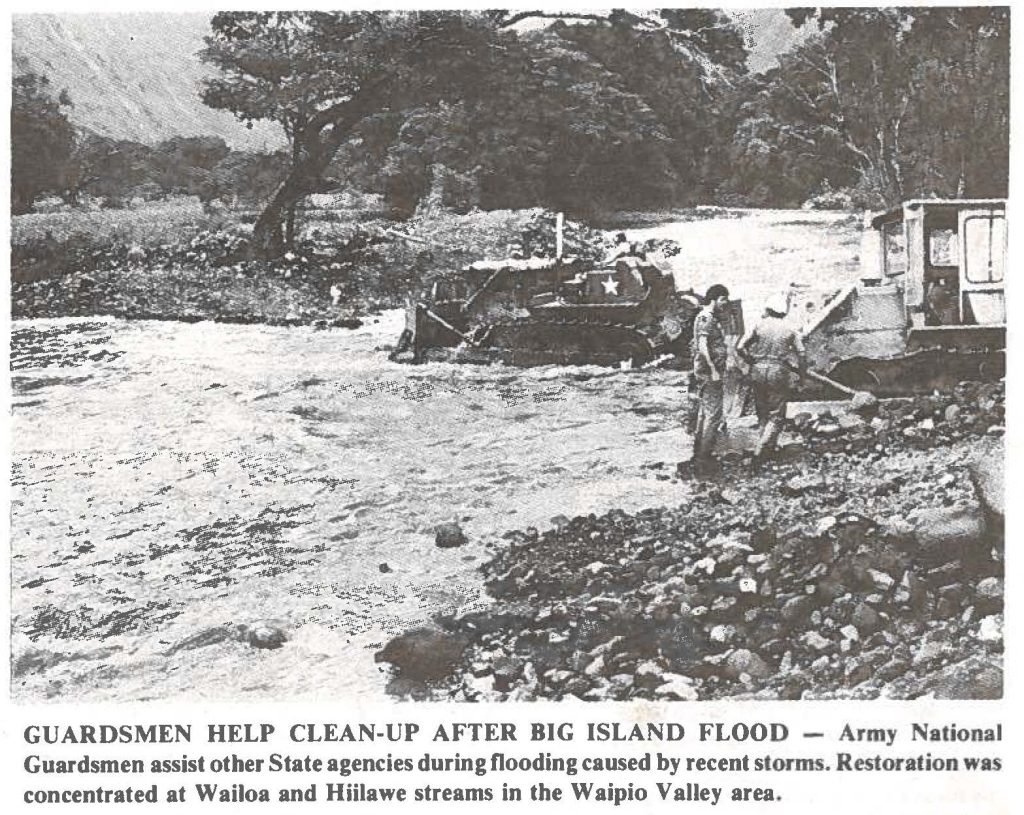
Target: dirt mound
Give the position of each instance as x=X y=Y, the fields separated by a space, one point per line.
x=334 y=272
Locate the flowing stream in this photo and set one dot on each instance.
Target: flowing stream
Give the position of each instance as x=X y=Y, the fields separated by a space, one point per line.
x=170 y=480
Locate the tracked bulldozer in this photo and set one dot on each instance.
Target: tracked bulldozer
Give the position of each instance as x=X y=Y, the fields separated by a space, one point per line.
x=930 y=308
x=541 y=311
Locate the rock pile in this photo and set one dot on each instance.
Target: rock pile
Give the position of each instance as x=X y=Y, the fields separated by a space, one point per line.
x=843 y=575
x=210 y=276
x=334 y=271
x=972 y=409
x=537 y=238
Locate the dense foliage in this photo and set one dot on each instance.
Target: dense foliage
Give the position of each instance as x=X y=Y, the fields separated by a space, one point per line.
x=113 y=172
x=895 y=103
x=589 y=113
x=473 y=109
x=42 y=140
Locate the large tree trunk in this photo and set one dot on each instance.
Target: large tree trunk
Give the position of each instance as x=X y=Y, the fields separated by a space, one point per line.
x=289 y=224
x=315 y=148
x=268 y=233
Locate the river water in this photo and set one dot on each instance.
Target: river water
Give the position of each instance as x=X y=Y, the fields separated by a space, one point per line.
x=169 y=478
x=172 y=479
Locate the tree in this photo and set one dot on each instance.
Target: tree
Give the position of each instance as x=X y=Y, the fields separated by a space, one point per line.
x=683 y=64
x=111 y=169
x=960 y=136
x=900 y=102
x=42 y=140
x=270 y=70
x=452 y=91
x=250 y=178
x=186 y=165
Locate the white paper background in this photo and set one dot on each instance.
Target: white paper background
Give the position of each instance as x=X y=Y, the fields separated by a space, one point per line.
x=800 y=792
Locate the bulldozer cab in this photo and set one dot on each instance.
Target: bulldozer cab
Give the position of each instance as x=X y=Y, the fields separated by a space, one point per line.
x=949 y=258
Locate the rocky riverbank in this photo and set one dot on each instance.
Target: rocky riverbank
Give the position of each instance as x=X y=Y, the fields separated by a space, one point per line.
x=866 y=563
x=335 y=273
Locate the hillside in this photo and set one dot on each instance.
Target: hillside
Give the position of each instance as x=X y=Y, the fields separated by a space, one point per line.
x=131 y=76
x=136 y=75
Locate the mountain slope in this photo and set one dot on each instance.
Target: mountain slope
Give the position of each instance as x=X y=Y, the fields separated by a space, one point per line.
x=137 y=75
x=131 y=76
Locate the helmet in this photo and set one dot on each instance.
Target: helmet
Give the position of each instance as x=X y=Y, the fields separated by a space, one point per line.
x=778 y=304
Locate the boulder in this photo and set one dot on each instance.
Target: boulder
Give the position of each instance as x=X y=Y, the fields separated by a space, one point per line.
x=648 y=674
x=425 y=653
x=742 y=661
x=795 y=608
x=944 y=534
x=864 y=404
x=976 y=677
x=865 y=618
x=986 y=469
x=676 y=687
x=557 y=677
x=595 y=667
x=894 y=669
x=802 y=484
x=620 y=686
x=950 y=600
x=268 y=634
x=722 y=634
x=988 y=595
x=507 y=670
x=990 y=629
x=882 y=581
x=858 y=672
x=814 y=640
x=449 y=535
x=926 y=652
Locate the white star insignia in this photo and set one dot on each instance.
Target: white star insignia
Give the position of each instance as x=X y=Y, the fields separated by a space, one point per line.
x=610 y=286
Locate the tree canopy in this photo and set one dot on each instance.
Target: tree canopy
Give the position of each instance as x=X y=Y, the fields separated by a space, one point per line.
x=587 y=113
x=562 y=115
x=898 y=103
x=42 y=140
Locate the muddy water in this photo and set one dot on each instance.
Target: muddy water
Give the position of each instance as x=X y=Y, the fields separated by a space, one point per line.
x=169 y=479
x=758 y=253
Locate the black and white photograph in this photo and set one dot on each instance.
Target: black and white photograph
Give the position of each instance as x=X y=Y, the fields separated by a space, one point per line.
x=501 y=356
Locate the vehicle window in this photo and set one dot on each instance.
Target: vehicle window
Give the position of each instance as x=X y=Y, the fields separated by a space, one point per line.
x=985 y=242
x=895 y=249
x=943 y=247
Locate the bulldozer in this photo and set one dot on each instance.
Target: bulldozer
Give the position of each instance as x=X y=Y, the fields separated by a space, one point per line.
x=929 y=310
x=555 y=311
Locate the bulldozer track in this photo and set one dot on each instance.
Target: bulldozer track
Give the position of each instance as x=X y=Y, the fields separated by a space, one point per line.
x=536 y=341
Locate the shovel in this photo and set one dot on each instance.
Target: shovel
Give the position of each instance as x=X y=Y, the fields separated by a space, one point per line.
x=824 y=380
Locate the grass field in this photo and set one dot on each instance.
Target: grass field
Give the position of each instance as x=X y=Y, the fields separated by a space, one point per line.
x=157 y=222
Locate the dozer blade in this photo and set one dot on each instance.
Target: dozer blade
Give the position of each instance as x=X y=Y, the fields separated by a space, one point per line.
x=920 y=372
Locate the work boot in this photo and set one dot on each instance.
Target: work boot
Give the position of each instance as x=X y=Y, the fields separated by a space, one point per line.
x=706 y=468
x=686 y=469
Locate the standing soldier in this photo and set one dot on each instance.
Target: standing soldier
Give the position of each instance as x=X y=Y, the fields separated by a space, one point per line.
x=773 y=350
x=709 y=360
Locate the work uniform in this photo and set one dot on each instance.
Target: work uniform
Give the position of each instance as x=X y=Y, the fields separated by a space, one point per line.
x=709 y=413
x=773 y=350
